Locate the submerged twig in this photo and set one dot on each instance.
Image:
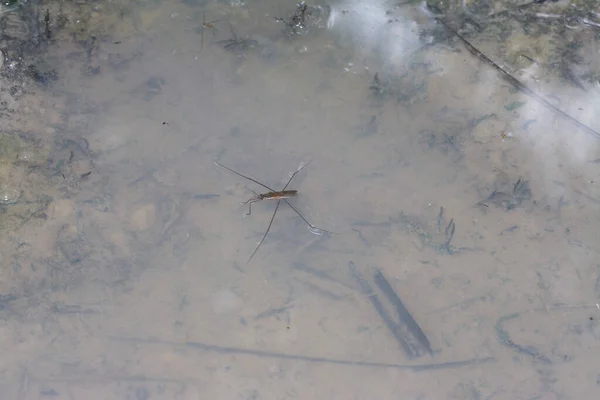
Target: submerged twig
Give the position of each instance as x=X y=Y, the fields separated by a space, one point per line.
x=230 y=350
x=515 y=82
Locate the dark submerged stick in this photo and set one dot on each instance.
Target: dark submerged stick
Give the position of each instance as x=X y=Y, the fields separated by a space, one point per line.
x=505 y=340
x=297 y=357
x=514 y=81
x=403 y=314
x=392 y=326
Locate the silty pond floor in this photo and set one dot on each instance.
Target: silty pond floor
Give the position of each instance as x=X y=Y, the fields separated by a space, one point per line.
x=452 y=192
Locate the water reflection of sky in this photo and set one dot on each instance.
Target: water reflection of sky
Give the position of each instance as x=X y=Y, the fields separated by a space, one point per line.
x=374 y=25
x=395 y=34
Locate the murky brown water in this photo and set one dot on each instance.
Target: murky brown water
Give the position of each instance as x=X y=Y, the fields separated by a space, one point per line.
x=124 y=247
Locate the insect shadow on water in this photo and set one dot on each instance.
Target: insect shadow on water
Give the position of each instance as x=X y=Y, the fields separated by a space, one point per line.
x=278 y=195
x=207 y=25
x=237 y=44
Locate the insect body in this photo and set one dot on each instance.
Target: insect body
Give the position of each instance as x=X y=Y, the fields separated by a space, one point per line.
x=284 y=194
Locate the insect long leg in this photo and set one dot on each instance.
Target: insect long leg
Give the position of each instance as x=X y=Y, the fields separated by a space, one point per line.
x=294 y=208
x=212 y=26
x=293 y=175
x=245 y=177
x=235 y=37
x=207 y=25
x=266 y=232
x=305 y=220
x=202 y=33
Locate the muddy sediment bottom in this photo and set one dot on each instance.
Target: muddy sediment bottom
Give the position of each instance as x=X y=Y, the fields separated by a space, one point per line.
x=445 y=226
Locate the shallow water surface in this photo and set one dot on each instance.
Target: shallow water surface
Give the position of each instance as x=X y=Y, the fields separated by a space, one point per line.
x=452 y=190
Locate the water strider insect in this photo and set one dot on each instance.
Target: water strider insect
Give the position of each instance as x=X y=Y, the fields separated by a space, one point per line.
x=282 y=194
x=207 y=25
